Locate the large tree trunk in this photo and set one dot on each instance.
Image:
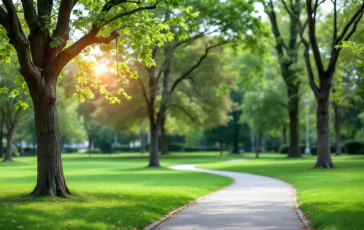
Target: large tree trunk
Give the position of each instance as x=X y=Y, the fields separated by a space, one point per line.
x=322 y=127
x=294 y=126
x=153 y=151
x=164 y=137
x=50 y=178
x=9 y=144
x=337 y=128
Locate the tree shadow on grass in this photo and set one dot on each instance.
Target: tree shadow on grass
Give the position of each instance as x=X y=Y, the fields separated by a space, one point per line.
x=87 y=211
x=331 y=216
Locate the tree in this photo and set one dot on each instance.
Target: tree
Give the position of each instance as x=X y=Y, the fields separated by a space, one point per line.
x=287 y=53
x=325 y=74
x=48 y=48
x=13 y=96
x=264 y=110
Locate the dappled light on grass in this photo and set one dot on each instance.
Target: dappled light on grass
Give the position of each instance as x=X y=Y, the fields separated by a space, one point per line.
x=331 y=198
x=116 y=192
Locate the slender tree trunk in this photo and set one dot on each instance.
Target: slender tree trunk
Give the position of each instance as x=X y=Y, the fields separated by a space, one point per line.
x=257 y=145
x=284 y=134
x=164 y=137
x=294 y=126
x=9 y=144
x=50 y=178
x=236 y=136
x=153 y=156
x=322 y=127
x=337 y=128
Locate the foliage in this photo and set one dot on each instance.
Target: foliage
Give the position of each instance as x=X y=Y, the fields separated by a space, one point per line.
x=354 y=147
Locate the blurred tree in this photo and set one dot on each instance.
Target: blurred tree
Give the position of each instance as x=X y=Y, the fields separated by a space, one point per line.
x=12 y=102
x=287 y=52
x=326 y=65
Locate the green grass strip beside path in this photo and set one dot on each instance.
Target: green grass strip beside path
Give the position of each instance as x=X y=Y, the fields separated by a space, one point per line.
x=331 y=198
x=111 y=192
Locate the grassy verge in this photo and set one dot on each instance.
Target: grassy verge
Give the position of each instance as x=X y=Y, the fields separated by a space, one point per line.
x=331 y=198
x=110 y=191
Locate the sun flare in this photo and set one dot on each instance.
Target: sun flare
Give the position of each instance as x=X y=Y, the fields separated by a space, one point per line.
x=101 y=69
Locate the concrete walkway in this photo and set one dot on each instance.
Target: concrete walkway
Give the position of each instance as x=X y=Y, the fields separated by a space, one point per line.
x=251 y=202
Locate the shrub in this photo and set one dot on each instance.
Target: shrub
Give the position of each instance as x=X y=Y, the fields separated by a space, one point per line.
x=125 y=149
x=30 y=151
x=354 y=147
x=201 y=149
x=176 y=147
x=283 y=149
x=95 y=150
x=70 y=150
x=14 y=151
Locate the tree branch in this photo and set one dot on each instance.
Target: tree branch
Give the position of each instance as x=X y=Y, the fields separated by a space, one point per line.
x=358 y=14
x=311 y=75
x=311 y=22
x=30 y=14
x=130 y=12
x=202 y=58
x=65 y=56
x=184 y=111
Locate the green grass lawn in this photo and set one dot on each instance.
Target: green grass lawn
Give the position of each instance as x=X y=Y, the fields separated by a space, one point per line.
x=331 y=198
x=110 y=191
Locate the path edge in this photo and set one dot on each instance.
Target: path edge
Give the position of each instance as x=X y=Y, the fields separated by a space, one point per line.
x=297 y=209
x=174 y=212
x=295 y=206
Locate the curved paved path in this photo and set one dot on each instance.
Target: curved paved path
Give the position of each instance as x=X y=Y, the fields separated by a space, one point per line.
x=251 y=202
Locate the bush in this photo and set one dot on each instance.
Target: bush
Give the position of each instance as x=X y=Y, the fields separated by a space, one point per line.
x=201 y=149
x=176 y=147
x=95 y=150
x=283 y=149
x=14 y=151
x=354 y=147
x=70 y=150
x=30 y=151
x=125 y=149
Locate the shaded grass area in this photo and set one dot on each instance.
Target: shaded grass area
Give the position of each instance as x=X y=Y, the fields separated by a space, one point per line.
x=110 y=191
x=331 y=198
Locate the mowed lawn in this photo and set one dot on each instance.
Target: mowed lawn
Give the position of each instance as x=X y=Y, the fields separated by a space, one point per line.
x=331 y=198
x=116 y=192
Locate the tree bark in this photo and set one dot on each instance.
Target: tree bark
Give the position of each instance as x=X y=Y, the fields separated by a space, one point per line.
x=153 y=156
x=337 y=128
x=322 y=126
x=164 y=137
x=294 y=126
x=9 y=144
x=50 y=178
